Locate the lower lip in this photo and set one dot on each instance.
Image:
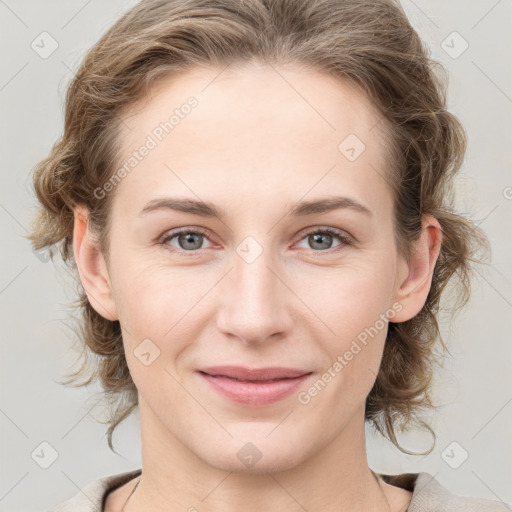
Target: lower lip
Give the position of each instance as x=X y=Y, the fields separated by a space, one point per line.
x=256 y=394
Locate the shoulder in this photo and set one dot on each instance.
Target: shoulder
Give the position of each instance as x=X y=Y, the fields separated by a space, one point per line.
x=91 y=498
x=428 y=495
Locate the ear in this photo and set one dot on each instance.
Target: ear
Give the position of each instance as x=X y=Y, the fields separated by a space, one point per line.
x=92 y=267
x=413 y=289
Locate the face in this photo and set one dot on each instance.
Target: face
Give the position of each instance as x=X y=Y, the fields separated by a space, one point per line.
x=273 y=280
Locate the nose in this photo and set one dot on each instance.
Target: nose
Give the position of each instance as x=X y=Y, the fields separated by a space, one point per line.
x=256 y=303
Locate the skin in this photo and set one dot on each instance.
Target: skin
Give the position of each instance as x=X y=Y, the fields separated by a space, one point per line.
x=260 y=140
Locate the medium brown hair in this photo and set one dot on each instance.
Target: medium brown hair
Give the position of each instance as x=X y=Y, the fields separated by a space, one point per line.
x=368 y=43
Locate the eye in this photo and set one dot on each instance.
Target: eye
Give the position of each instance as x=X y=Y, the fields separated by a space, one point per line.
x=321 y=239
x=187 y=240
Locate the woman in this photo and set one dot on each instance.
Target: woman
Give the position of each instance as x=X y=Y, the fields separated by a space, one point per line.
x=256 y=198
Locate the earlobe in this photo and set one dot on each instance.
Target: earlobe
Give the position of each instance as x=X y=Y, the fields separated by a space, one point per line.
x=412 y=291
x=91 y=267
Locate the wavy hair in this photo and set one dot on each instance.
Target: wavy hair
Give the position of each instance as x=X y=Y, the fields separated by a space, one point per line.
x=368 y=43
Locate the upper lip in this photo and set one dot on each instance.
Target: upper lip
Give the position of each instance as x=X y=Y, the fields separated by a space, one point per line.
x=241 y=373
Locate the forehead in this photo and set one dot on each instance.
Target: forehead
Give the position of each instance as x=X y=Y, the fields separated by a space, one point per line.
x=291 y=100
x=259 y=129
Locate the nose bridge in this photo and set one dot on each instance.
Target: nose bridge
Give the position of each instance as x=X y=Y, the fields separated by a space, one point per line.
x=254 y=301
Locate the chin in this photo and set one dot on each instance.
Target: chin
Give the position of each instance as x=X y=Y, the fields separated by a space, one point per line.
x=254 y=454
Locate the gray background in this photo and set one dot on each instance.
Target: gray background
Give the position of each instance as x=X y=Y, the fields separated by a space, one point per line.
x=475 y=386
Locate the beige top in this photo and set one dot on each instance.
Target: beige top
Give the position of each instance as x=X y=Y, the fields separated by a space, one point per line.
x=428 y=495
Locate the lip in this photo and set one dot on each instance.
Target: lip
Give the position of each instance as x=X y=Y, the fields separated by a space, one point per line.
x=254 y=374
x=254 y=387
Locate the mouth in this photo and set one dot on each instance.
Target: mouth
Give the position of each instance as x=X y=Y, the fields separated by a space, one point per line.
x=254 y=388
x=254 y=375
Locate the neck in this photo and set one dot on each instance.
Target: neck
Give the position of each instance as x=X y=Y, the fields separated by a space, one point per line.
x=334 y=478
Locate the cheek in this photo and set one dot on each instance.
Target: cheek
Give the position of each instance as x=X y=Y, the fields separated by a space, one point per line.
x=355 y=314
x=349 y=298
x=152 y=298
x=162 y=311
x=353 y=307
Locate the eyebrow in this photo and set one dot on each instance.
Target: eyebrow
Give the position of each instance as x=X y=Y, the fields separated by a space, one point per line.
x=207 y=209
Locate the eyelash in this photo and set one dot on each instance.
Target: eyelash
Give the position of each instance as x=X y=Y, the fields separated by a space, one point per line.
x=343 y=238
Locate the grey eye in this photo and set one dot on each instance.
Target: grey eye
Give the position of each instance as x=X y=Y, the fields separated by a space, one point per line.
x=322 y=240
x=190 y=241
x=186 y=240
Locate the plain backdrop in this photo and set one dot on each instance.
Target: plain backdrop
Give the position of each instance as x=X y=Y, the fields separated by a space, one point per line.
x=473 y=453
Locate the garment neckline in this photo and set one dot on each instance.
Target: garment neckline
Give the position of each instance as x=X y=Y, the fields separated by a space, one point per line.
x=406 y=481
